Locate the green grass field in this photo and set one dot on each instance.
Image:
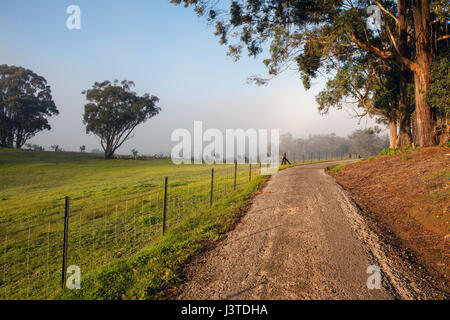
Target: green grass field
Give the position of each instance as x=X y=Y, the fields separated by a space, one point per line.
x=115 y=219
x=115 y=223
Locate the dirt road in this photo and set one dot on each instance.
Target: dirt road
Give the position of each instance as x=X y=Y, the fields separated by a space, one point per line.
x=303 y=238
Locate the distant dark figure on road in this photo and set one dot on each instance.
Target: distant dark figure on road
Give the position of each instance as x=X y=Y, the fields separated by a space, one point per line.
x=284 y=160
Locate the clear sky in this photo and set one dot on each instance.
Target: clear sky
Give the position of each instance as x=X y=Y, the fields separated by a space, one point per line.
x=168 y=52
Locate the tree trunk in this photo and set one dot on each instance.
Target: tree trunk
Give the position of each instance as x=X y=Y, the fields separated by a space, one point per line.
x=422 y=70
x=109 y=155
x=109 y=152
x=404 y=112
x=393 y=139
x=424 y=121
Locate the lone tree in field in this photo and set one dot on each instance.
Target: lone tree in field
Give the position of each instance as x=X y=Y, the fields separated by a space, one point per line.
x=114 y=111
x=25 y=105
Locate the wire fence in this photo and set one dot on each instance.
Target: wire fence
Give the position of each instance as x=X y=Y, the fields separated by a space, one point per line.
x=35 y=257
x=304 y=157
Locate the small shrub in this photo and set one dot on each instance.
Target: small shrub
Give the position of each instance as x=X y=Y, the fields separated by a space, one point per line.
x=389 y=152
x=338 y=168
x=371 y=158
x=405 y=158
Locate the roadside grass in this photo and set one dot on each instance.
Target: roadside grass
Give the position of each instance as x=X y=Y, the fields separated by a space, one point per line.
x=115 y=221
x=393 y=152
x=157 y=268
x=339 y=167
x=389 y=152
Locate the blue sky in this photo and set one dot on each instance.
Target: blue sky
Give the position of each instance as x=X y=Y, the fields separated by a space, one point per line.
x=167 y=51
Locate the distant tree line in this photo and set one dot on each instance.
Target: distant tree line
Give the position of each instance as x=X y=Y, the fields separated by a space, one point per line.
x=365 y=143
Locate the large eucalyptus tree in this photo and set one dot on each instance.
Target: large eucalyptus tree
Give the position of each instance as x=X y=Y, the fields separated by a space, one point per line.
x=26 y=104
x=113 y=111
x=316 y=34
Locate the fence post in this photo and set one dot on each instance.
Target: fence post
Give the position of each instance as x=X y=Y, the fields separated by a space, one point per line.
x=319 y=156
x=235 y=174
x=250 y=173
x=212 y=186
x=66 y=239
x=165 y=205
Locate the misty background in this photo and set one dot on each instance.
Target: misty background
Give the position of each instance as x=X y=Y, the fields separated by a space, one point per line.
x=168 y=52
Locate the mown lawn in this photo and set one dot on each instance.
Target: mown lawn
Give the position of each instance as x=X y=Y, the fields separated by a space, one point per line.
x=115 y=224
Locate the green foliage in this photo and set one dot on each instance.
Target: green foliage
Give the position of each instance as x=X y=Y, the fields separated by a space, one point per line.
x=114 y=111
x=438 y=94
x=363 y=65
x=304 y=33
x=393 y=152
x=364 y=81
x=26 y=104
x=405 y=158
x=389 y=152
x=339 y=168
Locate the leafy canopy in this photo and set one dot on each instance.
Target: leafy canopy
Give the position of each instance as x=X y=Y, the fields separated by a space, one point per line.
x=26 y=104
x=114 y=111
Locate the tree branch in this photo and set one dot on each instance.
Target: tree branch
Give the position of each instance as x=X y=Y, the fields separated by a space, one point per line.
x=387 y=11
x=443 y=37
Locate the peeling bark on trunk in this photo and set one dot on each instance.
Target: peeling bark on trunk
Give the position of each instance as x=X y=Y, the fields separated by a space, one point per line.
x=393 y=139
x=404 y=113
x=424 y=122
x=422 y=79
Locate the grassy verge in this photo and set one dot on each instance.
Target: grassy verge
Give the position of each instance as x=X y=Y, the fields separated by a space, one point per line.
x=339 y=167
x=156 y=269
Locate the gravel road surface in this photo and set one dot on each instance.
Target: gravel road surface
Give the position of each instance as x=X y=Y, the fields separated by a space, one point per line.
x=303 y=238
